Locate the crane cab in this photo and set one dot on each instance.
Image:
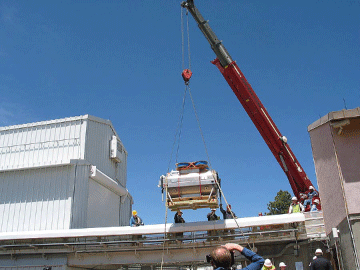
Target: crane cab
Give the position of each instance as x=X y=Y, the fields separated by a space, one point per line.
x=191 y=185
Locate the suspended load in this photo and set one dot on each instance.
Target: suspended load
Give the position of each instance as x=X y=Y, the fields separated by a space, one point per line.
x=191 y=186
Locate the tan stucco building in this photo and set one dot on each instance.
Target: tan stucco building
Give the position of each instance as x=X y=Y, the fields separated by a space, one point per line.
x=335 y=140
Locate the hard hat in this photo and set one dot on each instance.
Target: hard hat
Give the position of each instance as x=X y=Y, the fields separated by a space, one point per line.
x=282 y=264
x=213 y=209
x=316 y=201
x=268 y=263
x=318 y=251
x=134 y=212
x=294 y=199
x=311 y=187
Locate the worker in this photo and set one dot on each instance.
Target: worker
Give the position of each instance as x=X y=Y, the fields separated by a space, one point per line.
x=178 y=217
x=212 y=216
x=310 y=195
x=313 y=259
x=302 y=197
x=282 y=266
x=228 y=214
x=221 y=257
x=314 y=207
x=135 y=220
x=320 y=263
x=268 y=265
x=295 y=206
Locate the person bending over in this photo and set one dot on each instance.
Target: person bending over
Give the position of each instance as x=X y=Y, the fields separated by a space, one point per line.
x=221 y=257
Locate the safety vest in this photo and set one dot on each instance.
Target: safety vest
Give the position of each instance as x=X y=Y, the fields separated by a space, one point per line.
x=296 y=208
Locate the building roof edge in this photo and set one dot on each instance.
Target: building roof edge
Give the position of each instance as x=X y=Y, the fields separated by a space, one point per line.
x=335 y=115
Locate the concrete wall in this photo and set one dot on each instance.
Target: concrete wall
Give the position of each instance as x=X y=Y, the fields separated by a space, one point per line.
x=347 y=146
x=335 y=140
x=328 y=176
x=337 y=161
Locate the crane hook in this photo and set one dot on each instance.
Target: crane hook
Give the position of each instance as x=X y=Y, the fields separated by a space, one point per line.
x=186 y=74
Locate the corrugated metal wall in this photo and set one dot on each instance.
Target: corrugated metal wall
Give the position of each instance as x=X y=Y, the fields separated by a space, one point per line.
x=80 y=195
x=121 y=172
x=97 y=151
x=36 y=199
x=54 y=195
x=101 y=198
x=125 y=211
x=39 y=144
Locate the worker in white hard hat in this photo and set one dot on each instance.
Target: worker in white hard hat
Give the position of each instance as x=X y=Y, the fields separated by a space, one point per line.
x=212 y=216
x=320 y=262
x=282 y=266
x=135 y=220
x=310 y=195
x=314 y=207
x=268 y=265
x=295 y=206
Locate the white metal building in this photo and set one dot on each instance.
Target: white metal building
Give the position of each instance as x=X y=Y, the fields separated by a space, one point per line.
x=62 y=174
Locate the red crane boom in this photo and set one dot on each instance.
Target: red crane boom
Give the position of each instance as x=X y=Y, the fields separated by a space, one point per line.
x=277 y=143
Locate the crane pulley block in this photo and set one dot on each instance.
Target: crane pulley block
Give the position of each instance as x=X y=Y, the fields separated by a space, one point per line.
x=186 y=74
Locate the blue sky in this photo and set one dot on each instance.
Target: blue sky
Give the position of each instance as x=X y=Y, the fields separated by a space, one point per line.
x=122 y=60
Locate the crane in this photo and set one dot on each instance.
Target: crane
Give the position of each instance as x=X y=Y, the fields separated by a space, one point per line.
x=277 y=143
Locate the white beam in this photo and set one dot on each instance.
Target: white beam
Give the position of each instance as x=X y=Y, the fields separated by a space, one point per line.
x=107 y=182
x=156 y=229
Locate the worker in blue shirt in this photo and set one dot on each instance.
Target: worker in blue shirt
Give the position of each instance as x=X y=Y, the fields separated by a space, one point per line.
x=312 y=193
x=221 y=258
x=135 y=220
